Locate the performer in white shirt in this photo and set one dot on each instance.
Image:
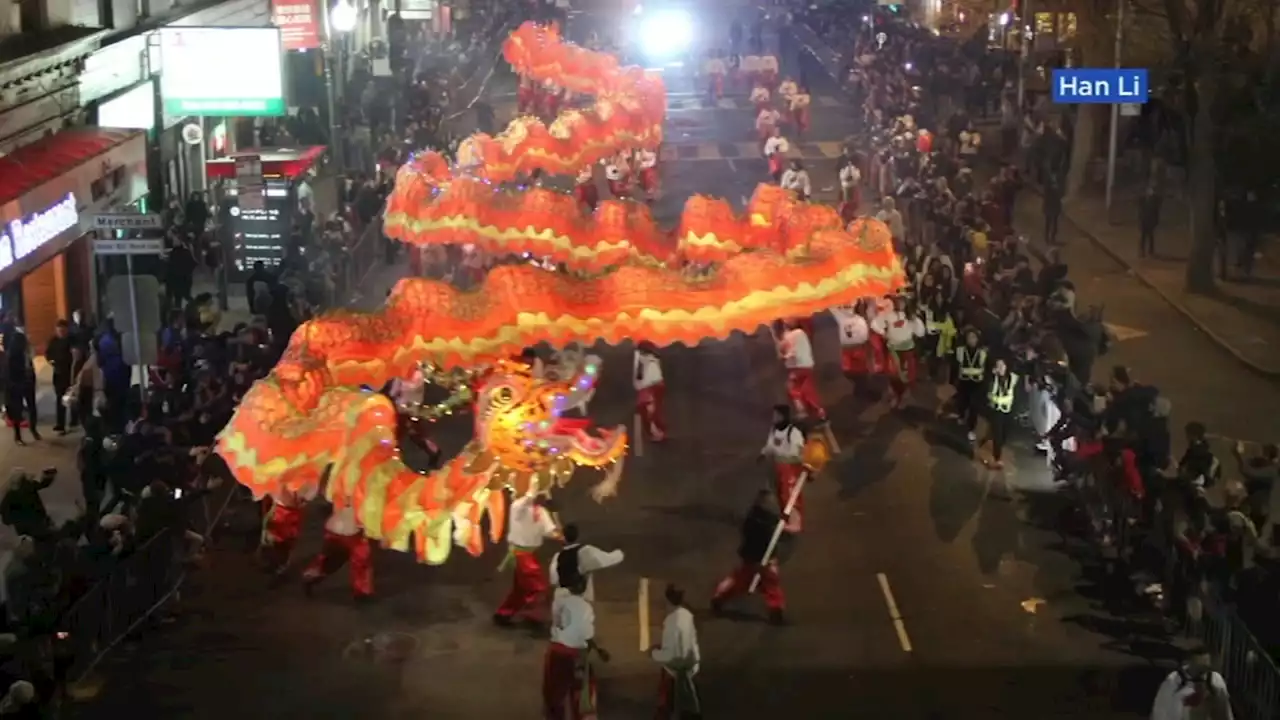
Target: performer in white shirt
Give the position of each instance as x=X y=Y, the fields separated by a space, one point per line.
x=577 y=560
x=800 y=110
x=796 y=351
x=282 y=527
x=850 y=183
x=651 y=391
x=785 y=447
x=715 y=70
x=647 y=161
x=680 y=657
x=584 y=189
x=796 y=179
x=767 y=123
x=344 y=543
x=529 y=523
x=856 y=358
x=899 y=330
x=768 y=71
x=760 y=98
x=787 y=89
x=970 y=143
x=568 y=679
x=776 y=148
x=618 y=175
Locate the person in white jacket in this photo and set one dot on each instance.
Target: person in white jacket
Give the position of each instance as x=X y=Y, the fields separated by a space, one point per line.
x=796 y=179
x=857 y=360
x=579 y=560
x=1193 y=692
x=680 y=658
x=899 y=330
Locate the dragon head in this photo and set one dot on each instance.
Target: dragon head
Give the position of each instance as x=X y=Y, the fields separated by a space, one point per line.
x=520 y=424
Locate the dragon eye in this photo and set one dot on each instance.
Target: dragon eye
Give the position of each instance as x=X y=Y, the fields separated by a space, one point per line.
x=504 y=396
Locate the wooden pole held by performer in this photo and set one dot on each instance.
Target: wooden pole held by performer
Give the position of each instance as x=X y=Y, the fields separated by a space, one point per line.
x=638 y=436
x=782 y=523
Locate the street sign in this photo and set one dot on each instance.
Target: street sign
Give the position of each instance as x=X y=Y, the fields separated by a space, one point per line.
x=127 y=221
x=139 y=349
x=129 y=247
x=1130 y=110
x=134 y=304
x=249 y=186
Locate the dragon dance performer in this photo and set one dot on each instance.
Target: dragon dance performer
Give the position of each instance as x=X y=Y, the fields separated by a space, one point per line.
x=584 y=189
x=796 y=179
x=344 y=542
x=618 y=175
x=785 y=446
x=776 y=148
x=530 y=524
x=800 y=110
x=850 y=181
x=787 y=90
x=647 y=161
x=856 y=357
x=651 y=391
x=899 y=331
x=282 y=528
x=579 y=560
x=568 y=678
x=526 y=97
x=796 y=351
x=551 y=99
x=757 y=533
x=761 y=99
x=768 y=71
x=715 y=70
x=679 y=656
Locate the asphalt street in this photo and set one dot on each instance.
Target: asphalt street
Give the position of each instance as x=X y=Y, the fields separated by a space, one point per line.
x=996 y=622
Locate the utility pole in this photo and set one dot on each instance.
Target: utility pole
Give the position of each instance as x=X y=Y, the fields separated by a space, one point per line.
x=1025 y=34
x=1115 y=111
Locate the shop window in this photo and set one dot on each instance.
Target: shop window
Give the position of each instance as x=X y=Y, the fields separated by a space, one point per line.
x=98 y=189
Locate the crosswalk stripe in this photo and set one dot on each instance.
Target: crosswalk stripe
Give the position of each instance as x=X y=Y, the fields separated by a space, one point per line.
x=828 y=101
x=727 y=104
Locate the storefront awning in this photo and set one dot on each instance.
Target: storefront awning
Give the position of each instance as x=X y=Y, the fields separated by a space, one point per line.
x=31 y=166
x=276 y=162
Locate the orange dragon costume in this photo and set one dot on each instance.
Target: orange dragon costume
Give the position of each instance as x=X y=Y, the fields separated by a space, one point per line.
x=310 y=418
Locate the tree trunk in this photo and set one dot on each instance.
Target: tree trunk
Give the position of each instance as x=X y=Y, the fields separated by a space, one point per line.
x=1202 y=193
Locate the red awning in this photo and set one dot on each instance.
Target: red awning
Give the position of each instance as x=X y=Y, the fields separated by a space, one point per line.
x=31 y=166
x=276 y=162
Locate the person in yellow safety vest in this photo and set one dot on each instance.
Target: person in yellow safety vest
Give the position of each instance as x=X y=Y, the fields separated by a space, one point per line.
x=1001 y=393
x=970 y=380
x=939 y=328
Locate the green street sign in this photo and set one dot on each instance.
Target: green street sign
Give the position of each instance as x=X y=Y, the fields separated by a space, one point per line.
x=229 y=107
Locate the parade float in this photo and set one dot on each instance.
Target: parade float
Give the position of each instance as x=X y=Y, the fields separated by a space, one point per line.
x=713 y=274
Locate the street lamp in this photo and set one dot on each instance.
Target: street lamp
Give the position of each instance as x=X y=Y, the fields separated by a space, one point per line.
x=341 y=18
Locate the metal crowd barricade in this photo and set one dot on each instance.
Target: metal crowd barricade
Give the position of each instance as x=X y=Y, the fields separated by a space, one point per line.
x=1251 y=674
x=368 y=250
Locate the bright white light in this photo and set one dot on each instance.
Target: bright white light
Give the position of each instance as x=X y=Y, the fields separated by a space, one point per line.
x=667 y=33
x=342 y=18
x=638 y=11
x=1004 y=19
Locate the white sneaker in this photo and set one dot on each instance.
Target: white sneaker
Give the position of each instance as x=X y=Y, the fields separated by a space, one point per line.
x=973 y=437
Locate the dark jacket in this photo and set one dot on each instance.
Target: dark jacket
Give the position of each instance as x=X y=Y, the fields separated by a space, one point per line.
x=757 y=531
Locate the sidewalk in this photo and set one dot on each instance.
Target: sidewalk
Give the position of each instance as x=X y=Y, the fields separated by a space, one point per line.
x=1242 y=317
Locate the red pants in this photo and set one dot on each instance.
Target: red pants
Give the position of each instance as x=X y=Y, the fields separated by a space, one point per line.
x=528 y=585
x=801 y=119
x=524 y=101
x=649 y=180
x=339 y=550
x=717 y=86
x=901 y=367
x=738 y=583
x=587 y=194
x=765 y=132
x=618 y=188
x=803 y=393
x=762 y=105
x=786 y=477
x=649 y=402
x=280 y=533
x=563 y=686
x=769 y=79
x=856 y=360
x=776 y=165
x=551 y=106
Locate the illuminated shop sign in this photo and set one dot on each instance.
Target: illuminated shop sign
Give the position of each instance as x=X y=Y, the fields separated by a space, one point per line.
x=24 y=236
